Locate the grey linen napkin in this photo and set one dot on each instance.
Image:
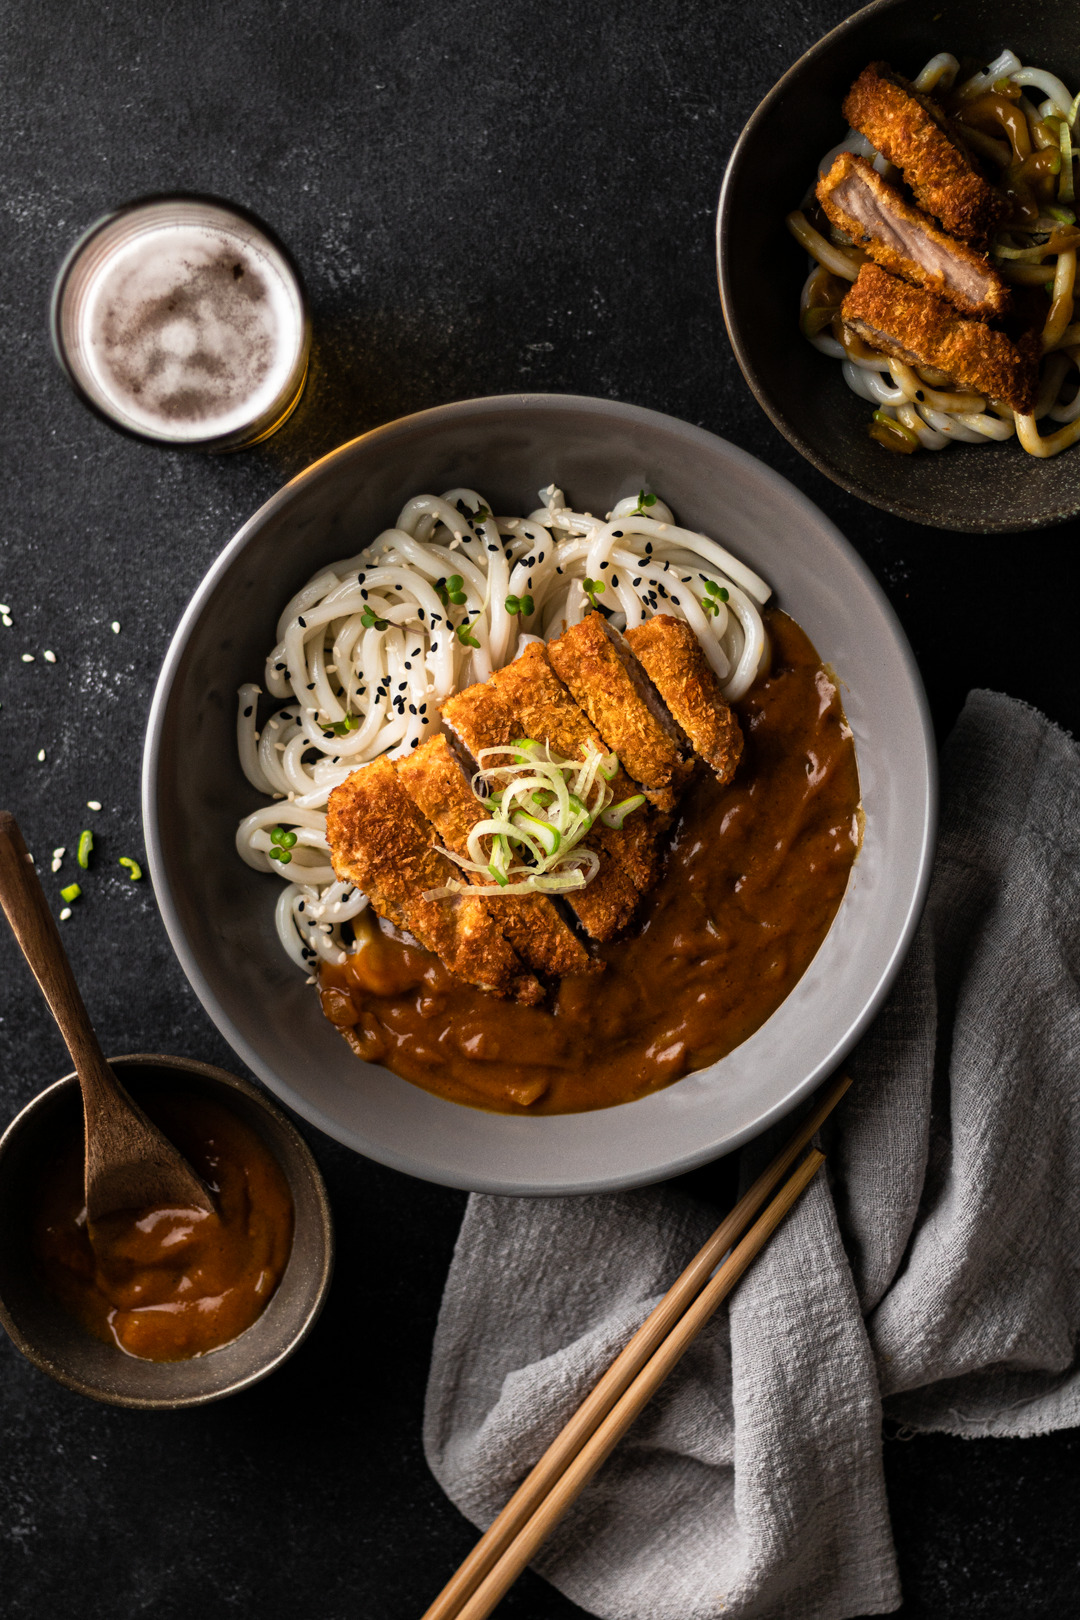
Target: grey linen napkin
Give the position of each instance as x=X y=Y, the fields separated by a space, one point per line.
x=936 y=1271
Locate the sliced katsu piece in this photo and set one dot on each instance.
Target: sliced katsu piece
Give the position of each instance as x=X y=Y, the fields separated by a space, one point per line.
x=907 y=242
x=672 y=657
x=908 y=129
x=528 y=699
x=438 y=786
x=380 y=841
x=606 y=680
x=921 y=328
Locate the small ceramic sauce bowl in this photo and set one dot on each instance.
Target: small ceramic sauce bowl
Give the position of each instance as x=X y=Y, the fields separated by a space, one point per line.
x=61 y=1347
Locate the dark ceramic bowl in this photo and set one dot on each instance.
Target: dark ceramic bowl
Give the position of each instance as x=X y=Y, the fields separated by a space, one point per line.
x=219 y=913
x=989 y=489
x=56 y=1343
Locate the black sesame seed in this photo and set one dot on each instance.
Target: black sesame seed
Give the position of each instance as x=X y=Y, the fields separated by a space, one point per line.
x=414 y=742
x=280 y=666
x=364 y=594
x=603 y=565
x=420 y=614
x=491 y=547
x=675 y=600
x=425 y=721
x=638 y=580
x=311 y=686
x=648 y=548
x=248 y=712
x=302 y=622
x=300 y=907
x=615 y=580
x=360 y=578
x=412 y=708
x=540 y=558
x=423 y=708
x=616 y=534
x=434 y=646
x=558 y=570
x=407 y=664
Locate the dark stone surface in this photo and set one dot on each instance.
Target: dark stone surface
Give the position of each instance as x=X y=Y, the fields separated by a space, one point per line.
x=483 y=199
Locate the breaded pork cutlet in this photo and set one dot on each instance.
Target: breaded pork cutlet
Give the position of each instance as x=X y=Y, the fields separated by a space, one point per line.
x=671 y=656
x=921 y=328
x=379 y=841
x=528 y=699
x=908 y=129
x=436 y=783
x=606 y=680
x=905 y=241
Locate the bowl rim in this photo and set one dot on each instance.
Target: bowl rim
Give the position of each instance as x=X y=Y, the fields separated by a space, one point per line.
x=896 y=506
x=230 y=1082
x=401 y=1159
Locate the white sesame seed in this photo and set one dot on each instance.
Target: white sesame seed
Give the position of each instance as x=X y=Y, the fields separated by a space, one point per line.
x=28 y=658
x=115 y=627
x=59 y=852
x=93 y=804
x=65 y=914
x=49 y=657
x=5 y=619
x=4 y=608
x=41 y=754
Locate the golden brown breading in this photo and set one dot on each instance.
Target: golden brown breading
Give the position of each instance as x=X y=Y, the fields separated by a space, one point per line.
x=908 y=129
x=921 y=328
x=905 y=241
x=437 y=785
x=606 y=680
x=379 y=841
x=671 y=656
x=528 y=699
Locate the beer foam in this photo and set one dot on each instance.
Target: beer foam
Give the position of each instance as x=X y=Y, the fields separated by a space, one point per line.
x=188 y=330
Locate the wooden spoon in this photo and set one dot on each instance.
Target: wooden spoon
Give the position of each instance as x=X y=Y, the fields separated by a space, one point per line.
x=129 y=1164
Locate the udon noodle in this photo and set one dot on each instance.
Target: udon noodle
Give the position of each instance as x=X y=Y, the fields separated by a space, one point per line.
x=371 y=646
x=1031 y=145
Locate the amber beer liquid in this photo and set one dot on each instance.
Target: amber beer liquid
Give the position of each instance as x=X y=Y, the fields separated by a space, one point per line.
x=183 y=321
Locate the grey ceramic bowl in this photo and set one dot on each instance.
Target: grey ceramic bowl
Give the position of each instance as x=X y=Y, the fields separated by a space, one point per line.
x=55 y=1342
x=219 y=912
x=976 y=489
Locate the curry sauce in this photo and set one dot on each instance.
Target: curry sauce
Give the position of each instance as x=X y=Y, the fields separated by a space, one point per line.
x=753 y=877
x=168 y=1284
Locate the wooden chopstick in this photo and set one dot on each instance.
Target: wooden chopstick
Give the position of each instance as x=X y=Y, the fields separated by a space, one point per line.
x=602 y=1442
x=535 y=1488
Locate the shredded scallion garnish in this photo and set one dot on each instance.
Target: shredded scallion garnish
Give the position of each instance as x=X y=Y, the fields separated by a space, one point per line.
x=134 y=870
x=72 y=892
x=85 y=849
x=539 y=807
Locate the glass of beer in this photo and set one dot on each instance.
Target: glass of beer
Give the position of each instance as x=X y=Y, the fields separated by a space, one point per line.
x=183 y=320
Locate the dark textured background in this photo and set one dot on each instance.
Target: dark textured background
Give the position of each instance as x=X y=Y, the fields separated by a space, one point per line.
x=483 y=198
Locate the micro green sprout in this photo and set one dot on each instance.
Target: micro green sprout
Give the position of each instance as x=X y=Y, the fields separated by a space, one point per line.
x=134 y=870
x=481 y=515
x=283 y=842
x=593 y=588
x=644 y=500
x=451 y=590
x=72 y=892
x=519 y=604
x=465 y=635
x=714 y=595
x=370 y=622
x=341 y=728
x=85 y=849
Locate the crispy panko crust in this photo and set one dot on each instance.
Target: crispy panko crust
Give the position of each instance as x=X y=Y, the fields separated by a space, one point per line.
x=379 y=841
x=606 y=680
x=846 y=169
x=672 y=658
x=528 y=699
x=436 y=783
x=914 y=134
x=921 y=328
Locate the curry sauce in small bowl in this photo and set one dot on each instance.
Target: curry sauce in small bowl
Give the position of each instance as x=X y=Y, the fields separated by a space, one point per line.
x=163 y=1307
